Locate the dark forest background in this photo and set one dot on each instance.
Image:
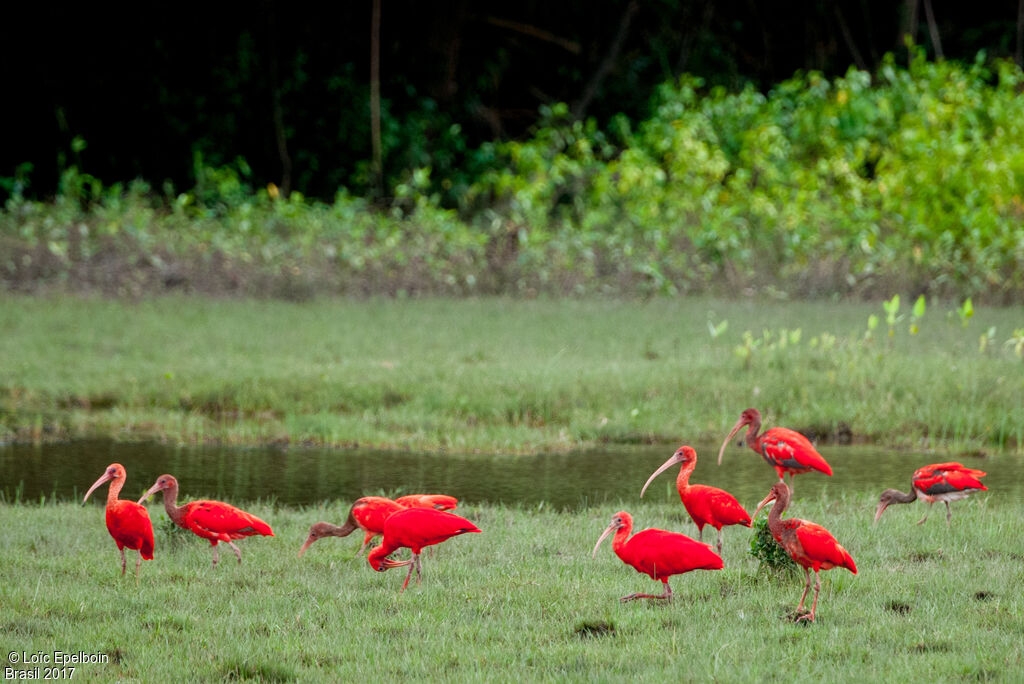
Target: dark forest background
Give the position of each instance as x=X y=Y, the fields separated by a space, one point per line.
x=157 y=90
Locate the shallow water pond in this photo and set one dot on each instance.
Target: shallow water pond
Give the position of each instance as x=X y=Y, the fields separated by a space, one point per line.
x=573 y=480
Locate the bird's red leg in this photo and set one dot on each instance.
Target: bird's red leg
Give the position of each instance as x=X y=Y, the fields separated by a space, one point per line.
x=803 y=596
x=921 y=521
x=814 y=604
x=366 y=541
x=216 y=556
x=419 y=577
x=719 y=541
x=138 y=564
x=238 y=551
x=949 y=514
x=667 y=595
x=408 y=575
x=700 y=534
x=124 y=563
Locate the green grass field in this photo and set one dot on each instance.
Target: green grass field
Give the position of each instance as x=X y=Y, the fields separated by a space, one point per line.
x=522 y=601
x=500 y=375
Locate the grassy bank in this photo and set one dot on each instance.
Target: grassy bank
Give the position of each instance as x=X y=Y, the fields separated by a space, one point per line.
x=524 y=597
x=499 y=374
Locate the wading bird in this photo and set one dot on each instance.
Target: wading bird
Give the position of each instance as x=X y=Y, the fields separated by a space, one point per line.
x=127 y=521
x=415 y=528
x=657 y=553
x=367 y=514
x=943 y=482
x=706 y=505
x=441 y=502
x=809 y=544
x=214 y=521
x=785 y=450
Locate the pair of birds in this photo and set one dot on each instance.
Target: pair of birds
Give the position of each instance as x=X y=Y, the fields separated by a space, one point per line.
x=414 y=521
x=661 y=554
x=129 y=524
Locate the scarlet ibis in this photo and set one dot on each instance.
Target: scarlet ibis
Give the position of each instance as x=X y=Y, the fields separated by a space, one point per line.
x=785 y=450
x=441 y=502
x=809 y=544
x=367 y=514
x=214 y=521
x=943 y=482
x=415 y=528
x=127 y=521
x=706 y=505
x=657 y=553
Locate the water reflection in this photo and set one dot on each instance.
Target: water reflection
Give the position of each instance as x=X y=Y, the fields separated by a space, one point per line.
x=307 y=476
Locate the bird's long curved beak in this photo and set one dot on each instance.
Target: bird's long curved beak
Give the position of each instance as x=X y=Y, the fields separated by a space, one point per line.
x=732 y=433
x=764 y=502
x=103 y=478
x=151 y=491
x=676 y=458
x=309 y=542
x=881 y=509
x=608 y=530
x=388 y=563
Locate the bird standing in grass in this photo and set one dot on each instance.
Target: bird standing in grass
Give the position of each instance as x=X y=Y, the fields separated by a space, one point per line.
x=785 y=450
x=416 y=528
x=706 y=505
x=657 y=553
x=127 y=521
x=809 y=544
x=367 y=514
x=214 y=521
x=943 y=482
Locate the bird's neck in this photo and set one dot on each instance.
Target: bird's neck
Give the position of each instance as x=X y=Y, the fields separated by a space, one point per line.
x=904 y=497
x=114 y=490
x=341 y=530
x=683 y=479
x=174 y=511
x=620 y=539
x=752 y=437
x=775 y=516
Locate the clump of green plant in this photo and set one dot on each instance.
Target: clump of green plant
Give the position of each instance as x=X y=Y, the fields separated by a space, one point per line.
x=965 y=312
x=765 y=549
x=1016 y=342
x=916 y=314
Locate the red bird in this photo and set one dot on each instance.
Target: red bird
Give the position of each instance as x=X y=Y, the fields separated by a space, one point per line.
x=367 y=514
x=441 y=502
x=809 y=544
x=657 y=553
x=785 y=450
x=706 y=505
x=943 y=482
x=416 y=528
x=127 y=521
x=214 y=521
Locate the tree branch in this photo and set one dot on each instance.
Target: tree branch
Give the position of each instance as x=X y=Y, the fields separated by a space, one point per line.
x=933 y=29
x=376 y=163
x=534 y=32
x=844 y=28
x=605 y=68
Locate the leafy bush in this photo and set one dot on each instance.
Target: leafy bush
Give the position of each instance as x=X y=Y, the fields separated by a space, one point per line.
x=765 y=549
x=903 y=180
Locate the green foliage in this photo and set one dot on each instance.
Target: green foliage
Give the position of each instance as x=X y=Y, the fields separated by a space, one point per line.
x=902 y=180
x=767 y=551
x=1016 y=342
x=917 y=313
x=966 y=312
